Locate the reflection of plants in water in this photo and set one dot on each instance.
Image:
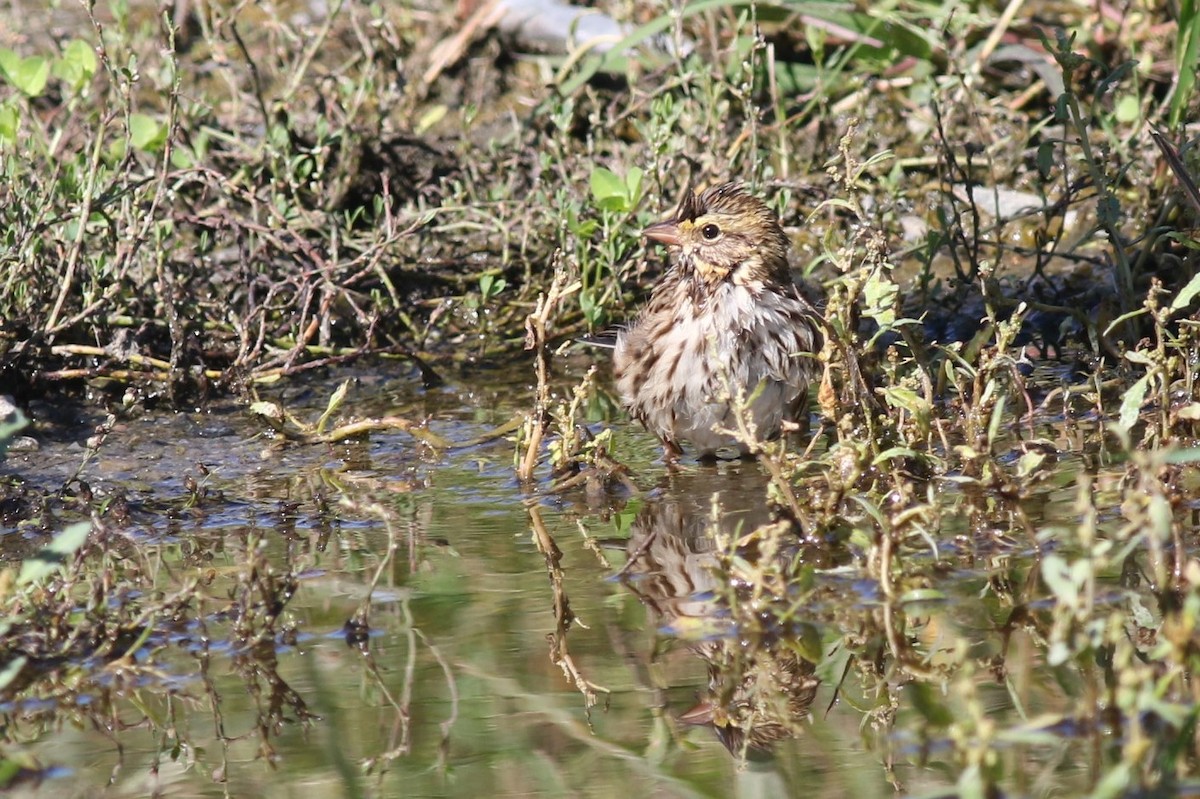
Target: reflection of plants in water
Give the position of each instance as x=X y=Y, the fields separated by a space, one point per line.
x=96 y=634
x=564 y=617
x=399 y=702
x=188 y=641
x=761 y=682
x=768 y=611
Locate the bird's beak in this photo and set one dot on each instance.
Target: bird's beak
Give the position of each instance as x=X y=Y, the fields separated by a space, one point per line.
x=665 y=232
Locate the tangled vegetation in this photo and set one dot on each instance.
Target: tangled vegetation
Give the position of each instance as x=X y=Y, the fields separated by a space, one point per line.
x=202 y=202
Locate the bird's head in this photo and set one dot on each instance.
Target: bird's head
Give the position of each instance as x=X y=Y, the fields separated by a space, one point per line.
x=726 y=234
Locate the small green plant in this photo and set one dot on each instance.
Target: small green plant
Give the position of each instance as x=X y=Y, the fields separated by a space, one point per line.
x=606 y=241
x=30 y=76
x=490 y=287
x=1067 y=110
x=612 y=193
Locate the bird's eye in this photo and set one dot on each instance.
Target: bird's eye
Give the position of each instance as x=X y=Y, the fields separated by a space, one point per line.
x=710 y=232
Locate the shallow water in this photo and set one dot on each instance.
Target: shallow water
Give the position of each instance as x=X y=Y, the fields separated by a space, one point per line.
x=448 y=688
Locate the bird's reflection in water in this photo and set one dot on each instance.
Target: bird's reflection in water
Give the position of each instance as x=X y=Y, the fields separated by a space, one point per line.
x=759 y=689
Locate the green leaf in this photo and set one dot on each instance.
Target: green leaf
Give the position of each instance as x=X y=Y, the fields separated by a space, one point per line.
x=610 y=192
x=906 y=398
x=997 y=419
x=584 y=230
x=623 y=520
x=10 y=670
x=55 y=557
x=10 y=123
x=1127 y=109
x=267 y=410
x=1188 y=455
x=1160 y=517
x=807 y=642
x=894 y=452
x=491 y=285
x=77 y=65
x=616 y=204
x=871 y=510
x=29 y=75
x=972 y=784
x=1187 y=56
x=879 y=299
x=1061 y=113
x=182 y=157
x=1186 y=294
x=633 y=186
x=146 y=133
x=1131 y=405
x=430 y=118
x=606 y=185
x=1029 y=463
x=1114 y=77
x=930 y=704
x=1056 y=573
x=587 y=304
x=335 y=401
x=1114 y=783
x=1045 y=158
